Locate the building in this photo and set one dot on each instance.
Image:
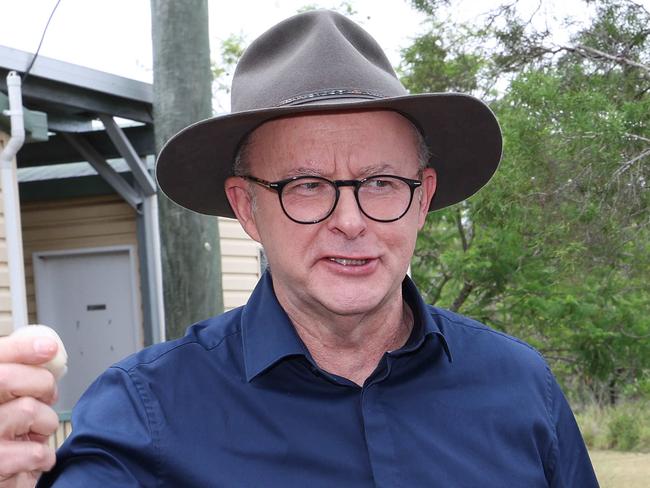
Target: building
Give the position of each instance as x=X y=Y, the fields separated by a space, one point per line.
x=84 y=233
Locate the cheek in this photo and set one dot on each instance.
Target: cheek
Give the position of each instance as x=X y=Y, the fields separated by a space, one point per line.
x=400 y=241
x=410 y=236
x=407 y=245
x=284 y=240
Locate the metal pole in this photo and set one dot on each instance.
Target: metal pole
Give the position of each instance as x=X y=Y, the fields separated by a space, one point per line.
x=12 y=203
x=154 y=267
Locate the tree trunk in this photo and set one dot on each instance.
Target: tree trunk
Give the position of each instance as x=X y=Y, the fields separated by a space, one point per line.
x=463 y=295
x=191 y=258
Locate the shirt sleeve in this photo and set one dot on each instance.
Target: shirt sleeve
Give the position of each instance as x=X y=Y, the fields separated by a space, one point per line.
x=113 y=442
x=570 y=461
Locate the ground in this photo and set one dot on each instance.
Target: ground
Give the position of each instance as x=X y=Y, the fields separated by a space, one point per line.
x=621 y=469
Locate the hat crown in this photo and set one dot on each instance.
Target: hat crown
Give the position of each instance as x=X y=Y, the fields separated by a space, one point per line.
x=312 y=57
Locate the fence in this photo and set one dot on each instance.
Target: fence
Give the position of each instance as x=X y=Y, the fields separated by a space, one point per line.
x=63 y=431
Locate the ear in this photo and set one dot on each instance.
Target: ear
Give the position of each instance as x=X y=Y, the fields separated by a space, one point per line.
x=239 y=197
x=428 y=189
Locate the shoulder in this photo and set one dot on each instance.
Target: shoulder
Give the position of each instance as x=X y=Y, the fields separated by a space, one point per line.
x=209 y=337
x=474 y=343
x=498 y=368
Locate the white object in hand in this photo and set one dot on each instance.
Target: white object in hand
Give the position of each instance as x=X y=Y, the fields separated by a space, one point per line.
x=58 y=365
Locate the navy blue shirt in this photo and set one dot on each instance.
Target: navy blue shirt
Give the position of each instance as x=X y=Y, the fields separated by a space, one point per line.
x=239 y=402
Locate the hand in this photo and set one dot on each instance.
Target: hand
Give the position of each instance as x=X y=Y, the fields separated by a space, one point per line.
x=27 y=392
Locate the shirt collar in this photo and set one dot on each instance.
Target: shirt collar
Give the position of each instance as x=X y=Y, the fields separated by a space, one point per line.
x=423 y=323
x=268 y=335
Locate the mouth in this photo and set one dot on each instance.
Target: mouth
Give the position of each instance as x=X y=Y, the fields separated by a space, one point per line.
x=349 y=262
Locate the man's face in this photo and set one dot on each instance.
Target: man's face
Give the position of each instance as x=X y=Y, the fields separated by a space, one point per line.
x=347 y=264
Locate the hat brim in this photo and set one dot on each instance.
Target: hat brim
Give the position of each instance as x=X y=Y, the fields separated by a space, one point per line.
x=462 y=133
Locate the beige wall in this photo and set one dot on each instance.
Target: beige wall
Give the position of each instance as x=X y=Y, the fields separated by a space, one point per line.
x=74 y=223
x=5 y=293
x=107 y=221
x=240 y=261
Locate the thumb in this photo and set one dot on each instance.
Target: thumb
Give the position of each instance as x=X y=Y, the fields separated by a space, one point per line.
x=27 y=349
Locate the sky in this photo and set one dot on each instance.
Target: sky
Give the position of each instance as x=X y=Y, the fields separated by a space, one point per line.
x=115 y=35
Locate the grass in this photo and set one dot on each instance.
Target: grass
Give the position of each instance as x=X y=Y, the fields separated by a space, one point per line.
x=616 y=469
x=618 y=438
x=624 y=427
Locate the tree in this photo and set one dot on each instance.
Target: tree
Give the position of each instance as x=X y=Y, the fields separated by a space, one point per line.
x=230 y=50
x=555 y=249
x=182 y=95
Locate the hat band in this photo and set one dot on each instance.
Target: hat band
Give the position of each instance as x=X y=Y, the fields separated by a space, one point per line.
x=329 y=94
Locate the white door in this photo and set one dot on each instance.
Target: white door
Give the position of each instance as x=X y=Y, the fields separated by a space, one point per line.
x=90 y=298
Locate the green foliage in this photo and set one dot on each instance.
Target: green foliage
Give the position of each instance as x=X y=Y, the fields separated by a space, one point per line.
x=556 y=249
x=625 y=427
x=430 y=66
x=230 y=51
x=621 y=28
x=429 y=7
x=623 y=432
x=345 y=7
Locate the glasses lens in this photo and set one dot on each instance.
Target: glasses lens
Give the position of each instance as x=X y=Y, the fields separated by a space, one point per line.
x=308 y=199
x=384 y=197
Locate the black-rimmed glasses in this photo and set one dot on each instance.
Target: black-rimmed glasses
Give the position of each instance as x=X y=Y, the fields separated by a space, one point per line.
x=311 y=199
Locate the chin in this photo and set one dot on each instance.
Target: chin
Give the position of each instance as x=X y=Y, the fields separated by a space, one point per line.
x=351 y=304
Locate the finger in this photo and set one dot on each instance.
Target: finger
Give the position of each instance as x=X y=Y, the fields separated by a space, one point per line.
x=25 y=416
x=23 y=480
x=26 y=349
x=23 y=456
x=38 y=438
x=18 y=380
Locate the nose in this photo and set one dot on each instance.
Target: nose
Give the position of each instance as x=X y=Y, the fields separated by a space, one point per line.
x=347 y=217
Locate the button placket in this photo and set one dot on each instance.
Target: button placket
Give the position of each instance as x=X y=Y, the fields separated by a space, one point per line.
x=381 y=448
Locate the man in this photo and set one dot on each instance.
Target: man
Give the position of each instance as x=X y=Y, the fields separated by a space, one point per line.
x=335 y=373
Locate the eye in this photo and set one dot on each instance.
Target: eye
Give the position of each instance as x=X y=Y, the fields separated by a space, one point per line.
x=306 y=187
x=310 y=185
x=381 y=184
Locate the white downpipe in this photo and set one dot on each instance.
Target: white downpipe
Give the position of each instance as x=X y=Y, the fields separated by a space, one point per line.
x=9 y=183
x=154 y=265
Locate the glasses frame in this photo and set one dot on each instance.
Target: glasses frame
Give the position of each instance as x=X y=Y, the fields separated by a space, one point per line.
x=278 y=187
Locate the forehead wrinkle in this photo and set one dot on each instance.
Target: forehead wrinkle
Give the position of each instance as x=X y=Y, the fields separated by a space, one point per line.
x=376 y=169
x=314 y=158
x=304 y=171
x=295 y=155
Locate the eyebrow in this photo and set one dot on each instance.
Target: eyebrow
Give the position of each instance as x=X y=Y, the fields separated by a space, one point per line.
x=377 y=169
x=365 y=171
x=303 y=171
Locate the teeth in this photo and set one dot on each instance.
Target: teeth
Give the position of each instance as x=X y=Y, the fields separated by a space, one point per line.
x=349 y=262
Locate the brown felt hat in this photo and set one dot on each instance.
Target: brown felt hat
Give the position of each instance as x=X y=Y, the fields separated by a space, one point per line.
x=316 y=62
